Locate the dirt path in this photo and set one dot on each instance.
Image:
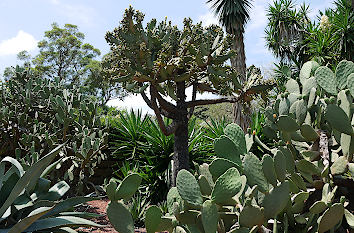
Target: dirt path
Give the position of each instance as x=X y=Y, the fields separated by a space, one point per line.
x=98 y=207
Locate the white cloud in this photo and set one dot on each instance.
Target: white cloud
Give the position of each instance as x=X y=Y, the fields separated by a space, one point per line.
x=22 y=41
x=208 y=19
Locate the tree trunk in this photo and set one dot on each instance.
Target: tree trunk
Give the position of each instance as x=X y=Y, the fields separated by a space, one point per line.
x=180 y=156
x=241 y=113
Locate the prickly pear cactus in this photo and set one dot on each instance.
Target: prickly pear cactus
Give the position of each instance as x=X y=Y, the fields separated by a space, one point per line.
x=312 y=128
x=37 y=114
x=304 y=184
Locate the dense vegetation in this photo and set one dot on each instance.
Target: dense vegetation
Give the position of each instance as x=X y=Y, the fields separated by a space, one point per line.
x=288 y=166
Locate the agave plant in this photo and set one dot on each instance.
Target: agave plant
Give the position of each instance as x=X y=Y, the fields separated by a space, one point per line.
x=29 y=203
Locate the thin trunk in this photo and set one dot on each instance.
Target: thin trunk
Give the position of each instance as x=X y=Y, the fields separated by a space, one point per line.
x=180 y=156
x=241 y=113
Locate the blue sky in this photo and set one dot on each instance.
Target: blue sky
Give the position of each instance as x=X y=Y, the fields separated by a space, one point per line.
x=23 y=22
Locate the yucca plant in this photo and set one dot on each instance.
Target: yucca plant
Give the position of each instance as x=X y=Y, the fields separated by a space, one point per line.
x=28 y=202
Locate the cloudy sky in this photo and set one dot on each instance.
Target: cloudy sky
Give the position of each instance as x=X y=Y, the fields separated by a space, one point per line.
x=23 y=22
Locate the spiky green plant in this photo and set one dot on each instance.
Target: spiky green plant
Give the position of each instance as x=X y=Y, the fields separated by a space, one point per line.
x=29 y=203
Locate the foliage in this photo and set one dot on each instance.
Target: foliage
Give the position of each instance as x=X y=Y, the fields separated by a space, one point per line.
x=232 y=14
x=305 y=184
x=28 y=202
x=222 y=111
x=138 y=144
x=167 y=60
x=36 y=114
x=293 y=38
x=98 y=83
x=63 y=54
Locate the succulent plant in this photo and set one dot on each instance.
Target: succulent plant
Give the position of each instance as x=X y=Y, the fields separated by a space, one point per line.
x=28 y=202
x=312 y=154
x=36 y=114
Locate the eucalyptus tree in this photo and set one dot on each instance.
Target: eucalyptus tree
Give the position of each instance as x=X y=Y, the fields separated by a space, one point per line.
x=63 y=54
x=234 y=15
x=160 y=62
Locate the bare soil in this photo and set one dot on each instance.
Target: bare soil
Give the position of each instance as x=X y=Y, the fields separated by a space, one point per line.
x=98 y=207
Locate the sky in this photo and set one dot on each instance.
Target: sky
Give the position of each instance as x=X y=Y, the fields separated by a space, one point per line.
x=23 y=23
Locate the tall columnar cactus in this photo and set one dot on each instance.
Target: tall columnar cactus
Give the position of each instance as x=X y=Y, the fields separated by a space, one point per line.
x=312 y=128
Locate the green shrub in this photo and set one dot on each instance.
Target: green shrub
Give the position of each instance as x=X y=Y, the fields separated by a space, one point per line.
x=37 y=114
x=137 y=141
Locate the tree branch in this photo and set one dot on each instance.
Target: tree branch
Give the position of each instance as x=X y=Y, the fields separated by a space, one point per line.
x=194 y=96
x=169 y=107
x=167 y=130
x=162 y=111
x=146 y=99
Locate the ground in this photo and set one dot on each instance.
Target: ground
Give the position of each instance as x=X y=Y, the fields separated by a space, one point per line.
x=99 y=207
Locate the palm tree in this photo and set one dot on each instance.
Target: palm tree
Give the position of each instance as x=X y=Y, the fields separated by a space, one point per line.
x=233 y=15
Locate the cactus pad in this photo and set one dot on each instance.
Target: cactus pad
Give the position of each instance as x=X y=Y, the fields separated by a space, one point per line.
x=210 y=217
x=276 y=200
x=318 y=207
x=339 y=166
x=251 y=216
x=308 y=85
x=268 y=170
x=254 y=173
x=338 y=119
x=308 y=132
x=120 y=217
x=280 y=165
x=226 y=186
x=307 y=70
x=326 y=79
x=330 y=218
x=287 y=124
x=220 y=166
x=350 y=84
x=225 y=148
x=301 y=110
x=290 y=163
x=284 y=106
x=188 y=188
x=236 y=134
x=128 y=187
x=343 y=70
x=172 y=197
x=204 y=185
x=152 y=219
x=292 y=86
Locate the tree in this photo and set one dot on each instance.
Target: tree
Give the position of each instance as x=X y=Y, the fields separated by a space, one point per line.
x=63 y=54
x=233 y=15
x=294 y=39
x=99 y=84
x=164 y=61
